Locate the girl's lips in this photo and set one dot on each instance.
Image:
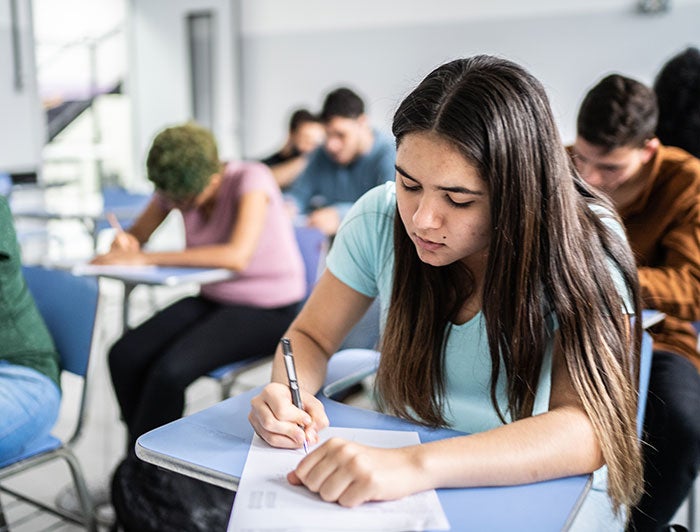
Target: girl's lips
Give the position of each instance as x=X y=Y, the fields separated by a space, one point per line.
x=427 y=244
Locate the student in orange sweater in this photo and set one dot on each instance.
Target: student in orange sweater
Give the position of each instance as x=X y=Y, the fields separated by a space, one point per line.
x=656 y=190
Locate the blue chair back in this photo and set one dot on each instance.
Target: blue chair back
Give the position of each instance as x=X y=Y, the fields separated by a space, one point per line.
x=68 y=305
x=124 y=204
x=120 y=198
x=312 y=244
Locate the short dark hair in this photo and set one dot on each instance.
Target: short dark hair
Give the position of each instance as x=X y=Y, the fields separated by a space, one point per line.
x=677 y=88
x=618 y=111
x=343 y=103
x=301 y=117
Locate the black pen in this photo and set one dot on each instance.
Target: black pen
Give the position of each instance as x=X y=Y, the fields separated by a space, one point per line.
x=292 y=378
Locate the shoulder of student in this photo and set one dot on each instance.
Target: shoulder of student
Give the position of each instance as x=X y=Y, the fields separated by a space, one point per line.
x=680 y=168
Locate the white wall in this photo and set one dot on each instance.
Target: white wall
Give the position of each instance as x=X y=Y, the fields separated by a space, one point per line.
x=294 y=51
x=63 y=50
x=158 y=78
x=22 y=129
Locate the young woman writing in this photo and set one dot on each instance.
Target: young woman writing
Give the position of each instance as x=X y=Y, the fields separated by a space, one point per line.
x=506 y=287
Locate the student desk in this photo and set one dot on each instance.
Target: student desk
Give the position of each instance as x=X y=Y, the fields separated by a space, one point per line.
x=651 y=317
x=212 y=445
x=132 y=276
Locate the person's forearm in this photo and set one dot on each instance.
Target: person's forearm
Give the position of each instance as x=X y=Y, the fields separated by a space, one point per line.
x=551 y=445
x=217 y=256
x=285 y=173
x=147 y=222
x=675 y=291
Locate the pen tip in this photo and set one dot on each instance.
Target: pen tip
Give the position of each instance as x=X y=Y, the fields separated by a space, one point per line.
x=306 y=448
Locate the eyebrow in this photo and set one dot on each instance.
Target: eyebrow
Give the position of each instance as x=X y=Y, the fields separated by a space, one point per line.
x=457 y=190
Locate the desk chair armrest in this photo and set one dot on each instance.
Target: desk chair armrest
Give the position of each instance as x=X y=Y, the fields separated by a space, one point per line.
x=347 y=368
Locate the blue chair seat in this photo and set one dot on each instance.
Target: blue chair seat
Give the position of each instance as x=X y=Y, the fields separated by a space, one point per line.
x=43 y=445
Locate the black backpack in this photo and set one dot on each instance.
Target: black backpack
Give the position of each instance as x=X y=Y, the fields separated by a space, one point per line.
x=149 y=499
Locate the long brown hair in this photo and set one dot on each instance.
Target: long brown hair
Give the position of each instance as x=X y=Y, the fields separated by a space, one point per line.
x=549 y=252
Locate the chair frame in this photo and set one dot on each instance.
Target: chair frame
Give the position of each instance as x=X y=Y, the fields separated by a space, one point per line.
x=63 y=450
x=690 y=499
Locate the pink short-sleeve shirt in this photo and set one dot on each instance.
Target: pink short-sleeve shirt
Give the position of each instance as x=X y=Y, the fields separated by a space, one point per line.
x=275 y=275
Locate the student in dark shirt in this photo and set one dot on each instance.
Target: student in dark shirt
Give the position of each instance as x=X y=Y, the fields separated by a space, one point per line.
x=677 y=88
x=306 y=133
x=354 y=158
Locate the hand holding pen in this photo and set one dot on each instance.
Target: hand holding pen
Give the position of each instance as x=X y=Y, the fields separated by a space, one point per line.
x=123 y=241
x=292 y=378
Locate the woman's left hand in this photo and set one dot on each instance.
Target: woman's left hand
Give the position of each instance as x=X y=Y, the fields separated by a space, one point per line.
x=134 y=258
x=350 y=474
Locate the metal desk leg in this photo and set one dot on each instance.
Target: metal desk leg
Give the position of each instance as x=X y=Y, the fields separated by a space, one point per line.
x=3 y=522
x=128 y=288
x=691 y=508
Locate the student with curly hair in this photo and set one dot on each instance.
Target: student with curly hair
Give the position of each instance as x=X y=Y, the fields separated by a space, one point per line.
x=234 y=218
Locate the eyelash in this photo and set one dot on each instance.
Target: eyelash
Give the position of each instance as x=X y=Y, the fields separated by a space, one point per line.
x=450 y=201
x=408 y=188
x=458 y=205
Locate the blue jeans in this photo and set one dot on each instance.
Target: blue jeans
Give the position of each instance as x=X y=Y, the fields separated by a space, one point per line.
x=29 y=403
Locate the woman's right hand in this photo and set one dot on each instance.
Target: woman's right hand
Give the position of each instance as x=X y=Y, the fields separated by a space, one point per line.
x=124 y=241
x=277 y=421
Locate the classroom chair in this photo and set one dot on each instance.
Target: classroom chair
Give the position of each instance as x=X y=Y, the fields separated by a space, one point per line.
x=68 y=305
x=646 y=354
x=313 y=245
x=692 y=509
x=347 y=368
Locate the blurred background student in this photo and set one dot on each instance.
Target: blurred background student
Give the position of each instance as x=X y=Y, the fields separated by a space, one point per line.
x=354 y=158
x=656 y=191
x=29 y=373
x=306 y=133
x=234 y=218
x=677 y=88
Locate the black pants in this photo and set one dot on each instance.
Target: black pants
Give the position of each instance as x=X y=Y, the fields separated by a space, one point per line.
x=671 y=440
x=152 y=365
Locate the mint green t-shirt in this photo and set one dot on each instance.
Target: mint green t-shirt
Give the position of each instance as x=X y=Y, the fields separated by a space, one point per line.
x=362 y=257
x=24 y=338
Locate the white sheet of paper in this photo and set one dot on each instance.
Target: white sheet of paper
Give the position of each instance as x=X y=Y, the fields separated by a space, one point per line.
x=267 y=502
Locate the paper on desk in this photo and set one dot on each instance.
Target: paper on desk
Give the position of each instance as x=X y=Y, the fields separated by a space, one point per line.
x=265 y=501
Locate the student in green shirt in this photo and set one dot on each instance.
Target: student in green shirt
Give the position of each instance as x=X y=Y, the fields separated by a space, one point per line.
x=29 y=374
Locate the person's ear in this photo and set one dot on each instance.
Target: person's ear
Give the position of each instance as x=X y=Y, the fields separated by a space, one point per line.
x=649 y=149
x=362 y=120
